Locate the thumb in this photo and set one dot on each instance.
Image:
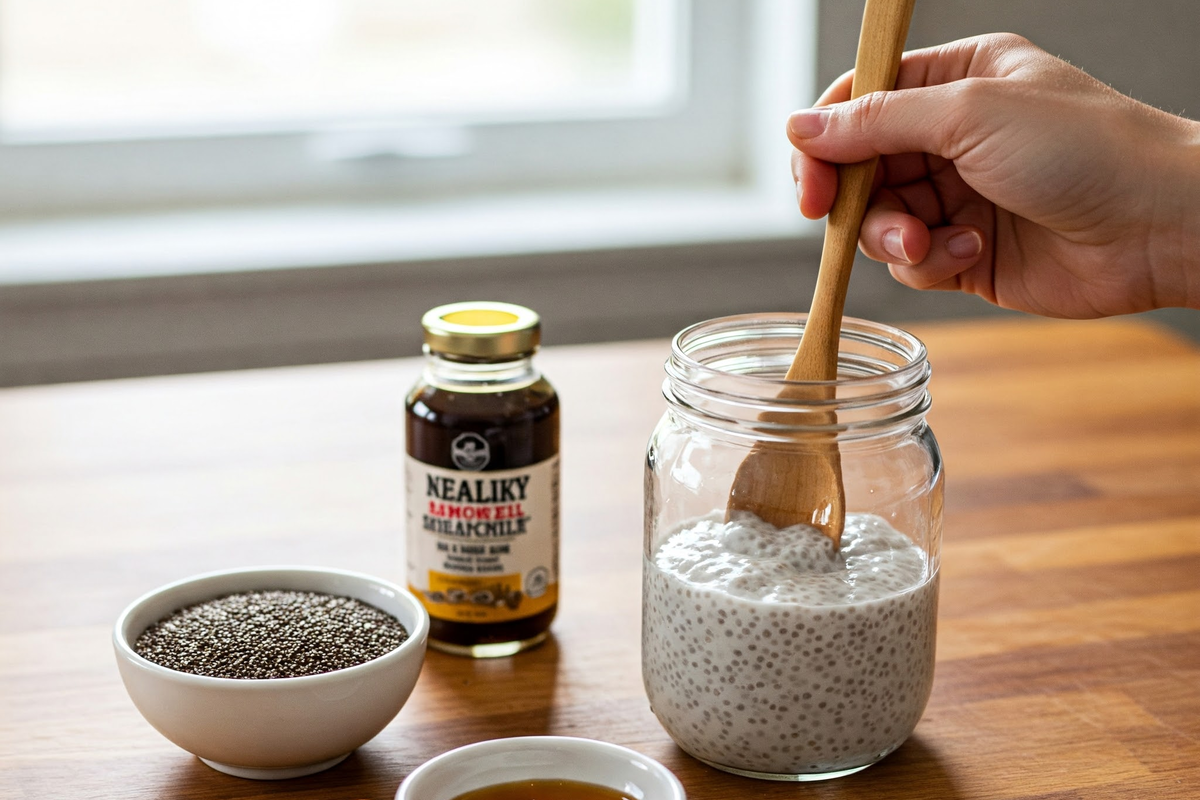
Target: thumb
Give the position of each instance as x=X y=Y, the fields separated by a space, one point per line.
x=924 y=120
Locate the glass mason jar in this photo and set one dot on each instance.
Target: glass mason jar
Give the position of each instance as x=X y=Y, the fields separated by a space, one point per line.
x=765 y=652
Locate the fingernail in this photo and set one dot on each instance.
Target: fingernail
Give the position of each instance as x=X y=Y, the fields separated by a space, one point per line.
x=808 y=123
x=967 y=244
x=893 y=243
x=799 y=196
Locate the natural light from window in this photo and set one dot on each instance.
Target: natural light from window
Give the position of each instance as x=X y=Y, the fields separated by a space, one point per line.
x=162 y=137
x=117 y=68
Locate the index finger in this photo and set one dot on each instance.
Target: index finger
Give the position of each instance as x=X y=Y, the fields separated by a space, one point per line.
x=931 y=66
x=838 y=91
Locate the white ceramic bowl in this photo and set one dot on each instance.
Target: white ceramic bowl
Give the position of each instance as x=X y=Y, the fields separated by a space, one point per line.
x=540 y=758
x=281 y=727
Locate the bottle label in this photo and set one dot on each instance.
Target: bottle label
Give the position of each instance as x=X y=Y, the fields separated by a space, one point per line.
x=483 y=546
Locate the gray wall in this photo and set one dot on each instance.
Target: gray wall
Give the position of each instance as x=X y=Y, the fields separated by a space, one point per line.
x=1149 y=49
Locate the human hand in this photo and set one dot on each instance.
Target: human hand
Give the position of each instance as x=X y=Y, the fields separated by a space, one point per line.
x=1010 y=174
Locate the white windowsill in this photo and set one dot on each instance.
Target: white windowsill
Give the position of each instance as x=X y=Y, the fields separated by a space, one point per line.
x=211 y=241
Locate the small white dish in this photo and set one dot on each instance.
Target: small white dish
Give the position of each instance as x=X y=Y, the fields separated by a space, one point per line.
x=281 y=727
x=523 y=758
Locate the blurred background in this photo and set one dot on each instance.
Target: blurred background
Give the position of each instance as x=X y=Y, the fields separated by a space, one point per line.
x=190 y=185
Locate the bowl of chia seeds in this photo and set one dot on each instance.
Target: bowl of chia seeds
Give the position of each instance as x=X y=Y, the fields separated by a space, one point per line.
x=272 y=672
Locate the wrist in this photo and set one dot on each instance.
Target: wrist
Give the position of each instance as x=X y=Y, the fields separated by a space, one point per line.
x=1175 y=248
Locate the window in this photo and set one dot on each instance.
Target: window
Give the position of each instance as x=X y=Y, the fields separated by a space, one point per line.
x=149 y=69
x=177 y=140
x=142 y=106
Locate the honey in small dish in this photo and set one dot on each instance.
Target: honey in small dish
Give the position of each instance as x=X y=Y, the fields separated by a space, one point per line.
x=544 y=790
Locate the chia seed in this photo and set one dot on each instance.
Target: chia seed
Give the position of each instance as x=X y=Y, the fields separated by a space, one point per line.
x=271 y=634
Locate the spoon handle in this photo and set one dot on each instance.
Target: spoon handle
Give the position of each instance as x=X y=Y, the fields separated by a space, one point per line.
x=880 y=45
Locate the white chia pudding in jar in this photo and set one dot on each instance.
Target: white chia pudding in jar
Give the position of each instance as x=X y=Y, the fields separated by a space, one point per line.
x=764 y=651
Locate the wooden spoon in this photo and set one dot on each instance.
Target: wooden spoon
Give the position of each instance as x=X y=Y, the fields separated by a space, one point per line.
x=783 y=483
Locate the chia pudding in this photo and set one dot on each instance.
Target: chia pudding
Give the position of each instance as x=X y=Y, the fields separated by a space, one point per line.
x=765 y=652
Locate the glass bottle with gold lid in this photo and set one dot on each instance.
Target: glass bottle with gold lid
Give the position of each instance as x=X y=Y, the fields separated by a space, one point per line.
x=482 y=477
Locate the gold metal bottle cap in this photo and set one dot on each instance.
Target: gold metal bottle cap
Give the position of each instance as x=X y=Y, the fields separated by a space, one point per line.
x=482 y=330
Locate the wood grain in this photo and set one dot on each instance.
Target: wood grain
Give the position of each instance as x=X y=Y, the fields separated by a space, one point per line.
x=1069 y=649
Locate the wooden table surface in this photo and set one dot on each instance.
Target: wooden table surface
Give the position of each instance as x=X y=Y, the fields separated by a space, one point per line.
x=1069 y=640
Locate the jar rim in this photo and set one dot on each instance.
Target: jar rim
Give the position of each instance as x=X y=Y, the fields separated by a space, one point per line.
x=728 y=329
x=729 y=373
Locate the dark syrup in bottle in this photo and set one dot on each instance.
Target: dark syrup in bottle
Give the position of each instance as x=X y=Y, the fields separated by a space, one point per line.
x=482 y=472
